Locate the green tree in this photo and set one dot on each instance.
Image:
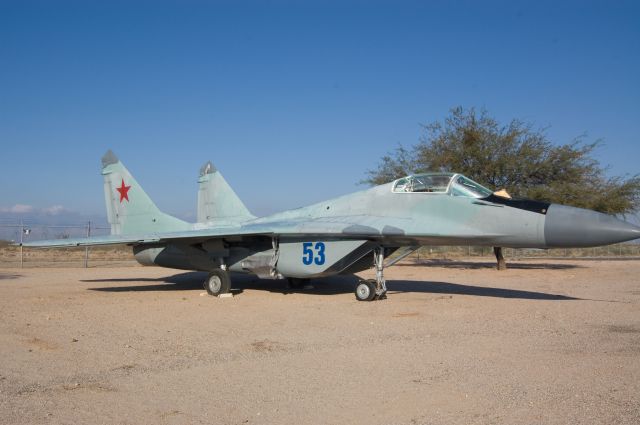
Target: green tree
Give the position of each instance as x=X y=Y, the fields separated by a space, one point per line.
x=516 y=157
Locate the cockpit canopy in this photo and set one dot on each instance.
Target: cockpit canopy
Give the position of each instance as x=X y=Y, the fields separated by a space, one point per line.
x=443 y=183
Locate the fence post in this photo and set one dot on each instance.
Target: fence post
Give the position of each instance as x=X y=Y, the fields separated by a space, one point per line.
x=21 y=240
x=86 y=248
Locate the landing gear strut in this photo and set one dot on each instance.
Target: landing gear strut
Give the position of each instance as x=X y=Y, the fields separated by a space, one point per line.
x=371 y=289
x=218 y=282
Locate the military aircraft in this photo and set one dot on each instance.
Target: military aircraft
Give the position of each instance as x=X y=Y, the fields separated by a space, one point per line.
x=347 y=234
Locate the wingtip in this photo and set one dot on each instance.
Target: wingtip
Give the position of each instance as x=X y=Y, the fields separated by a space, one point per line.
x=109 y=158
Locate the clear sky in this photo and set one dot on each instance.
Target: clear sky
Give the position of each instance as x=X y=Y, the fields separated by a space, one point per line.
x=293 y=101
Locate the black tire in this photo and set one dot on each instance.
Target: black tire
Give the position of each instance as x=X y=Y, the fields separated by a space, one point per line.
x=218 y=282
x=366 y=290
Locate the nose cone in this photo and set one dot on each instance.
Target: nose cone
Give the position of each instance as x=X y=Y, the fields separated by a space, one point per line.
x=576 y=227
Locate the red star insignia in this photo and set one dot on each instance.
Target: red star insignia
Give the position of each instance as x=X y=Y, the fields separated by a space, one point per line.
x=124 y=191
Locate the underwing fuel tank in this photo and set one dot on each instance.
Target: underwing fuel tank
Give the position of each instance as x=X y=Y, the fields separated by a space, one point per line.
x=163 y=256
x=569 y=227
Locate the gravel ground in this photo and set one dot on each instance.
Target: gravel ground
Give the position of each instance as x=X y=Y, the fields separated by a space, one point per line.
x=545 y=342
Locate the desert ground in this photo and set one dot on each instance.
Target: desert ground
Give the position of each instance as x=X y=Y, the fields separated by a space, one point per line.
x=456 y=342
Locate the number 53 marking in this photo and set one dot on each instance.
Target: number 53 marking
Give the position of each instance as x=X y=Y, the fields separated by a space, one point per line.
x=309 y=256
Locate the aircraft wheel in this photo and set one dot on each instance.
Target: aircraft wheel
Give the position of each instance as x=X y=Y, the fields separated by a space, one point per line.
x=366 y=290
x=218 y=282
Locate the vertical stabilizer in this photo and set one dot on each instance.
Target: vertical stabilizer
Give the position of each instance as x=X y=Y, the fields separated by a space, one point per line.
x=217 y=202
x=129 y=208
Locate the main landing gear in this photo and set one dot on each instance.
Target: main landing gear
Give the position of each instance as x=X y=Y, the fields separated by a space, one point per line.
x=372 y=289
x=218 y=282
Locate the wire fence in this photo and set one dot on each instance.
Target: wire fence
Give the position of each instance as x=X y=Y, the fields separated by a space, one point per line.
x=118 y=255
x=26 y=230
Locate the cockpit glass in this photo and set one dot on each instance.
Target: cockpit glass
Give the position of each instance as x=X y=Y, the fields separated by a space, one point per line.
x=433 y=183
x=453 y=184
x=463 y=186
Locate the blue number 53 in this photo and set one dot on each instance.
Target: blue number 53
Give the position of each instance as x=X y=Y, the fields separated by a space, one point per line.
x=309 y=256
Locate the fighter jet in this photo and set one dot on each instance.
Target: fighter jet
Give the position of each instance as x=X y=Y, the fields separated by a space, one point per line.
x=344 y=235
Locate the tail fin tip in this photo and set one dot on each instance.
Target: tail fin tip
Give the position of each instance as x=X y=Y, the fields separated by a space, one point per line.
x=207 y=168
x=109 y=158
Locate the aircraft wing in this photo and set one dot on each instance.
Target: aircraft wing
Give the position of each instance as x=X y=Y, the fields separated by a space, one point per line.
x=290 y=227
x=185 y=236
x=347 y=227
x=93 y=241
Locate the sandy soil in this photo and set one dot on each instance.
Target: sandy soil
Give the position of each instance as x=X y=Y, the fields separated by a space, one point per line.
x=546 y=342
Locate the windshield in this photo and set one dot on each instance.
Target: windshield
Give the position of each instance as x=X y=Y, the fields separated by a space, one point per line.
x=463 y=186
x=453 y=184
x=433 y=183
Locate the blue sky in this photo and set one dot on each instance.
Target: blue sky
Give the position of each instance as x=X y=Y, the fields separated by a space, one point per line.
x=293 y=101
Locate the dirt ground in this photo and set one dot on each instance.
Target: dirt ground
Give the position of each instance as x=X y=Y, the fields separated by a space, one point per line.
x=545 y=342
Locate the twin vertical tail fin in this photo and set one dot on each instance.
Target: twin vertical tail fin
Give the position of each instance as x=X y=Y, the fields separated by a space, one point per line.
x=217 y=202
x=131 y=211
x=129 y=208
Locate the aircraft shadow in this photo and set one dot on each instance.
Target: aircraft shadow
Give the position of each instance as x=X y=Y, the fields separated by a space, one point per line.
x=474 y=265
x=7 y=276
x=334 y=285
x=176 y=282
x=480 y=291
